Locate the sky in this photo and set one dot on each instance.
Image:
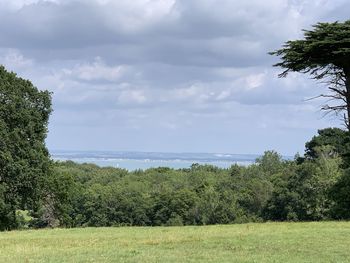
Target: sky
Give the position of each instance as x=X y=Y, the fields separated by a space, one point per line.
x=168 y=75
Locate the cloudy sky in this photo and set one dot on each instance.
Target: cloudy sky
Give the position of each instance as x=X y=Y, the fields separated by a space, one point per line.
x=167 y=75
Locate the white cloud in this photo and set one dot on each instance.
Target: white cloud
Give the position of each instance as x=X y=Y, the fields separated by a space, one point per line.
x=14 y=60
x=132 y=96
x=138 y=14
x=255 y=81
x=96 y=70
x=16 y=4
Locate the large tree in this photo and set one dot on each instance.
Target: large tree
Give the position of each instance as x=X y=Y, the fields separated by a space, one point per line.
x=24 y=158
x=325 y=54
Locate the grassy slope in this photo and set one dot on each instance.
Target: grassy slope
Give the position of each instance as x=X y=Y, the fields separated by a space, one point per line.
x=270 y=242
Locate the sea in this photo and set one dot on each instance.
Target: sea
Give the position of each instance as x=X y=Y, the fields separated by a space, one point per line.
x=145 y=160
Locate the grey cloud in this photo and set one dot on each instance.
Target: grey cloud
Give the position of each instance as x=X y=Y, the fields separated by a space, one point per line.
x=47 y=25
x=182 y=74
x=201 y=33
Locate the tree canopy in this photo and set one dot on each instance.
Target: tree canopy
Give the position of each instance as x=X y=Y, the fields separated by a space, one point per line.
x=337 y=139
x=24 y=159
x=324 y=53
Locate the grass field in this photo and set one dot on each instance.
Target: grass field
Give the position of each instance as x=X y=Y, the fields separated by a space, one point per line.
x=269 y=242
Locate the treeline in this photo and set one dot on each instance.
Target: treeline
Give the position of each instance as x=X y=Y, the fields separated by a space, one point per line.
x=313 y=187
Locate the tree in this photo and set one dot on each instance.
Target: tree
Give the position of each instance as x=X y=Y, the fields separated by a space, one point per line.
x=303 y=192
x=24 y=159
x=337 y=139
x=340 y=194
x=324 y=53
x=270 y=162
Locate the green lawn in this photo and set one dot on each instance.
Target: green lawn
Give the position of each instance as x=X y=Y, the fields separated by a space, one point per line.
x=269 y=242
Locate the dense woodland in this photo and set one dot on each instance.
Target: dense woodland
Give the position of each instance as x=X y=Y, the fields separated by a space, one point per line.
x=316 y=187
x=313 y=187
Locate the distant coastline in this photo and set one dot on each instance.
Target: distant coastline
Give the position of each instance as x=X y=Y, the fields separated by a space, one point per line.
x=144 y=160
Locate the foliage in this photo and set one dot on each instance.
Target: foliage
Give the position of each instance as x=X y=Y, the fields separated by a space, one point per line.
x=24 y=159
x=337 y=139
x=82 y=195
x=325 y=54
x=270 y=162
x=23 y=219
x=201 y=195
x=303 y=193
x=271 y=189
x=340 y=194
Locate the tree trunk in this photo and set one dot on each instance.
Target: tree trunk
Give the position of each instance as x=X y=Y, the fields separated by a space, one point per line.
x=347 y=86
